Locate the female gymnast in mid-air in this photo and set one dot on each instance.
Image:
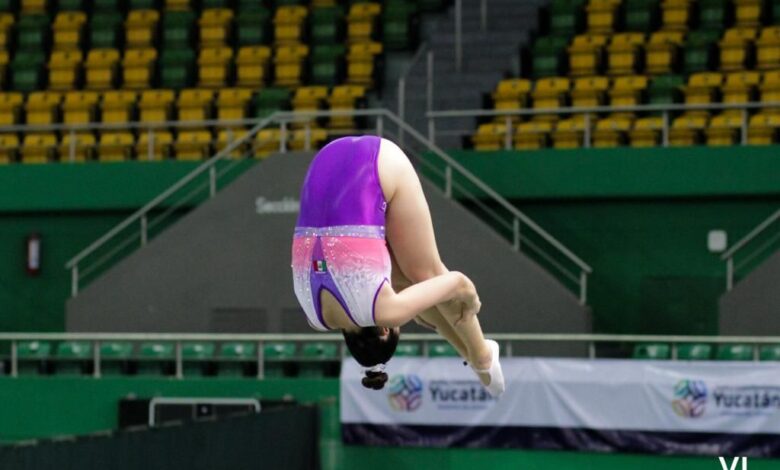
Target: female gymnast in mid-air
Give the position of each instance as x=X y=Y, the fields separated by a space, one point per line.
x=359 y=192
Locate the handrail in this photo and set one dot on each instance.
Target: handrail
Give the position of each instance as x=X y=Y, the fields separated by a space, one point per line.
x=401 y=106
x=728 y=255
x=135 y=125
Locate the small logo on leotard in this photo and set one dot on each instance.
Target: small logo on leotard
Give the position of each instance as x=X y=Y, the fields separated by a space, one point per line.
x=319 y=266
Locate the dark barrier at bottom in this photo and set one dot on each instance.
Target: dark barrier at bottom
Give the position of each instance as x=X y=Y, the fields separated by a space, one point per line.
x=284 y=438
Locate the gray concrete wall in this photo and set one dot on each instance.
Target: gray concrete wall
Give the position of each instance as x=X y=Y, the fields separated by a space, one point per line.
x=224 y=267
x=752 y=307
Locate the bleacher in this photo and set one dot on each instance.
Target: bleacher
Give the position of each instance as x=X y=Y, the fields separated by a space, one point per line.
x=146 y=62
x=600 y=53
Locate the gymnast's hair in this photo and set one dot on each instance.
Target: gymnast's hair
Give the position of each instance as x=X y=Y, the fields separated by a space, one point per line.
x=372 y=350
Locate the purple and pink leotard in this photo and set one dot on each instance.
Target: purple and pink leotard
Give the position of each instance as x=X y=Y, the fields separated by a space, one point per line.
x=339 y=241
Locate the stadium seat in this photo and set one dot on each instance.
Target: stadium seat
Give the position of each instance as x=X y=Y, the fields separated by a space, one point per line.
x=27 y=71
x=177 y=4
x=214 y=65
x=177 y=29
x=6 y=26
x=73 y=358
x=405 y=349
x=512 y=94
x=318 y=359
x=748 y=12
x=226 y=137
x=344 y=98
x=32 y=32
x=399 y=25
x=646 y=132
x=326 y=25
x=192 y=145
x=253 y=27
x=694 y=352
x=734 y=352
x=215 y=27
x=10 y=108
x=154 y=146
x=328 y=64
x=550 y=92
x=232 y=103
x=361 y=21
x=724 y=129
x=653 y=351
x=627 y=90
x=623 y=53
x=32 y=356
x=196 y=358
x=289 y=22
x=361 y=63
x=155 y=106
x=176 y=68
x=601 y=15
x=34 y=6
x=675 y=14
x=64 y=67
x=138 y=67
x=699 y=51
x=589 y=91
x=3 y=68
x=713 y=14
x=490 y=136
x=115 y=357
x=105 y=29
x=687 y=129
x=252 y=65
x=641 y=15
x=736 y=48
x=548 y=56
x=612 y=131
x=662 y=52
x=303 y=139
x=277 y=356
x=441 y=349
x=195 y=104
x=155 y=359
x=39 y=147
x=235 y=358
x=77 y=147
x=79 y=107
x=764 y=129
x=769 y=352
x=741 y=87
x=532 y=135
x=665 y=89
x=566 y=17
x=101 y=68
x=68 y=27
x=269 y=100
x=569 y=132
x=702 y=88
x=42 y=107
x=309 y=98
x=770 y=87
x=114 y=146
x=585 y=53
x=768 y=47
x=9 y=147
x=289 y=64
x=141 y=28
x=118 y=106
x=266 y=142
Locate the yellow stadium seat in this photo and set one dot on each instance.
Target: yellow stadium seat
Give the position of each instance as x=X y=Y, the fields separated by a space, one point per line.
x=138 y=67
x=79 y=107
x=550 y=92
x=154 y=145
x=662 y=51
x=266 y=142
x=675 y=14
x=115 y=146
x=601 y=15
x=214 y=65
x=9 y=147
x=232 y=103
x=569 y=132
x=177 y=5
x=309 y=98
x=289 y=22
x=195 y=104
x=193 y=145
x=34 y=6
x=361 y=21
x=3 y=67
x=226 y=137
x=42 y=107
x=360 y=63
x=101 y=67
x=768 y=48
x=39 y=147
x=623 y=53
x=10 y=108
x=724 y=129
x=585 y=54
x=288 y=64
x=589 y=91
x=702 y=87
x=67 y=28
x=155 y=105
x=512 y=94
x=64 y=69
x=312 y=138
x=215 y=26
x=686 y=129
x=532 y=135
x=748 y=12
x=77 y=147
x=764 y=129
x=140 y=28
x=490 y=136
x=252 y=64
x=117 y=106
x=627 y=90
x=6 y=24
x=646 y=132
x=611 y=131
x=770 y=87
x=740 y=87
x=734 y=48
x=343 y=98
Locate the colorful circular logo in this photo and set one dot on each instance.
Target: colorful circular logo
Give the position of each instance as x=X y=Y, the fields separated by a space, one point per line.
x=690 y=398
x=405 y=392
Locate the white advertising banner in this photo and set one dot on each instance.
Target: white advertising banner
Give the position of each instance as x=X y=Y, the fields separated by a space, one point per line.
x=653 y=406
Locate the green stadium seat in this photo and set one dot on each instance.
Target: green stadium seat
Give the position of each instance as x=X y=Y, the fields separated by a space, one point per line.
x=31 y=357
x=441 y=349
x=114 y=357
x=73 y=357
x=105 y=29
x=713 y=13
x=665 y=89
x=215 y=4
x=142 y=5
x=155 y=358
x=71 y=5
x=327 y=64
x=652 y=351
x=27 y=71
x=549 y=56
x=277 y=358
x=734 y=352
x=408 y=350
x=177 y=28
x=176 y=68
x=32 y=32
x=196 y=358
x=327 y=25
x=770 y=352
x=694 y=352
x=235 y=358
x=641 y=15
x=700 y=50
x=318 y=359
x=269 y=100
x=776 y=12
x=566 y=17
x=9 y=5
x=253 y=27
x=399 y=24
x=107 y=5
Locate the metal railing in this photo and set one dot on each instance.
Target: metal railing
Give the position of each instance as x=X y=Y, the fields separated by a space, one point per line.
x=761 y=234
x=261 y=340
x=454 y=179
x=666 y=111
x=424 y=49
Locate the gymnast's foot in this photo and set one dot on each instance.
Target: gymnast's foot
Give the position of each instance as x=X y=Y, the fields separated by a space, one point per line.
x=489 y=370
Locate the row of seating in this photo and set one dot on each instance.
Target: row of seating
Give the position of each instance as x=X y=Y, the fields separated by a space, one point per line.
x=704 y=352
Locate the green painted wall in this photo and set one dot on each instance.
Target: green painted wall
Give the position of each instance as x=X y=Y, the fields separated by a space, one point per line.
x=44 y=407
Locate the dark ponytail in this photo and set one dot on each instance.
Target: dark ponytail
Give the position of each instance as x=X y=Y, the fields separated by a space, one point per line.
x=371 y=347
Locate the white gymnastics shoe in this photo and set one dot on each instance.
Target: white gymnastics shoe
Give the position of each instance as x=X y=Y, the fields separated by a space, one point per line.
x=496 y=386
